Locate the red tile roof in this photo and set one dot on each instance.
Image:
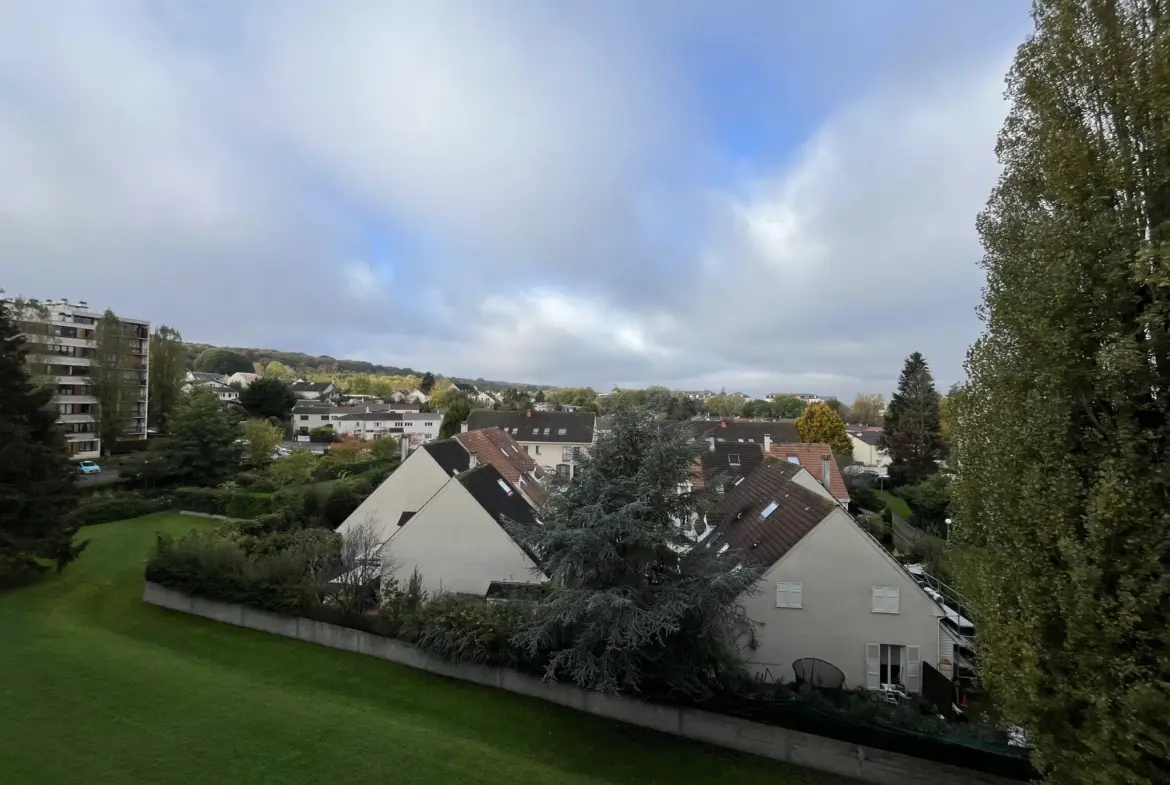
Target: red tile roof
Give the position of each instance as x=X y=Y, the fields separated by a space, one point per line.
x=492 y=445
x=810 y=457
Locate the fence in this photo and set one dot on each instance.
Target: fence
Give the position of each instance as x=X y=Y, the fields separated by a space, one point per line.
x=803 y=749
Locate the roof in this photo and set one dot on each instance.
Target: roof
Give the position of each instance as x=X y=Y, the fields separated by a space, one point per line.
x=741 y=430
x=739 y=522
x=464 y=387
x=450 y=455
x=200 y=376
x=421 y=415
x=729 y=462
x=511 y=590
x=573 y=427
x=310 y=386
x=491 y=445
x=810 y=457
x=497 y=496
x=871 y=438
x=367 y=416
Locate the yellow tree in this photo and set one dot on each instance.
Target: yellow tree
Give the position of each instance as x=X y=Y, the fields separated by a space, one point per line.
x=821 y=425
x=262 y=437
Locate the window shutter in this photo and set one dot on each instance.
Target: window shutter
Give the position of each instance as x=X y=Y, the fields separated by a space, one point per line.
x=913 y=678
x=879 y=599
x=796 y=595
x=892 y=600
x=781 y=595
x=873 y=675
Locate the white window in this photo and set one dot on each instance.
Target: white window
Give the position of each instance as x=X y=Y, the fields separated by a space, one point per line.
x=684 y=487
x=771 y=508
x=892 y=666
x=568 y=454
x=538 y=449
x=789 y=595
x=885 y=599
x=733 y=459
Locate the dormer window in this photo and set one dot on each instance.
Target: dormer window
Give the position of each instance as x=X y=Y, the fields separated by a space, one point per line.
x=794 y=459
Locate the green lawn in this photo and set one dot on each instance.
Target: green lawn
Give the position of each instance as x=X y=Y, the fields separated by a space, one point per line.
x=897 y=504
x=96 y=687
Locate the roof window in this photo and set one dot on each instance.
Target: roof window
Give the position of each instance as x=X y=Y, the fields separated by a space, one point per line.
x=733 y=459
x=547 y=431
x=535 y=431
x=507 y=488
x=561 y=431
x=794 y=459
x=771 y=508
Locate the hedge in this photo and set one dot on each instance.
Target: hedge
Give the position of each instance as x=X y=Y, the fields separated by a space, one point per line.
x=248 y=504
x=208 y=500
x=117 y=506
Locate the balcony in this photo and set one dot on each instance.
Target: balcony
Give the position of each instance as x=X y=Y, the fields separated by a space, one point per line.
x=70 y=398
x=70 y=419
x=89 y=436
x=69 y=379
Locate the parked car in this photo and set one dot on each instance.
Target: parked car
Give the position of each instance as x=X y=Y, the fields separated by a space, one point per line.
x=88 y=467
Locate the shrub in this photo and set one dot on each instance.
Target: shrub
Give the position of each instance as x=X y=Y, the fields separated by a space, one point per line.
x=324 y=434
x=401 y=607
x=107 y=506
x=210 y=565
x=473 y=630
x=255 y=481
x=887 y=516
x=127 y=447
x=339 y=504
x=248 y=504
x=867 y=498
x=208 y=500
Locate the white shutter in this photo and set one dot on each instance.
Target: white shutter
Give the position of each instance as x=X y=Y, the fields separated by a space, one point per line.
x=892 y=601
x=913 y=680
x=781 y=595
x=879 y=599
x=796 y=595
x=873 y=674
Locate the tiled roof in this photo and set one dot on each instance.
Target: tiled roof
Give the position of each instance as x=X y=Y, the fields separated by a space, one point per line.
x=571 y=427
x=811 y=456
x=450 y=455
x=792 y=512
x=746 y=431
x=870 y=437
x=491 y=445
x=309 y=386
x=727 y=462
x=496 y=495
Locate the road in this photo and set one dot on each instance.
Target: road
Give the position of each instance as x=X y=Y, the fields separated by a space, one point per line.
x=105 y=477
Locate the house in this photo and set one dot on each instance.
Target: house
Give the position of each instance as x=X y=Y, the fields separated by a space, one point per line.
x=866 y=447
x=492 y=445
x=474 y=394
x=745 y=431
x=724 y=465
x=458 y=541
x=210 y=381
x=242 y=379
x=818 y=460
x=418 y=427
x=225 y=393
x=194 y=379
x=307 y=415
x=316 y=391
x=829 y=591
x=553 y=439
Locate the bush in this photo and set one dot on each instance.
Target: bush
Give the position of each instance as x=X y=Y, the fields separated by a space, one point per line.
x=887 y=516
x=125 y=448
x=322 y=435
x=339 y=504
x=106 y=506
x=207 y=500
x=248 y=504
x=210 y=565
x=255 y=481
x=867 y=498
x=473 y=630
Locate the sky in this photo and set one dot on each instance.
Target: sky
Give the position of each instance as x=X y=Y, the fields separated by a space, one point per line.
x=759 y=196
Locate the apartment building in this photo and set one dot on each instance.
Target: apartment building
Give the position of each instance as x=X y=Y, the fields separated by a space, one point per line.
x=62 y=349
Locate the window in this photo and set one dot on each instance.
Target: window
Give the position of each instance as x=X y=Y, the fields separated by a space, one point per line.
x=684 y=487
x=733 y=459
x=789 y=595
x=538 y=449
x=794 y=459
x=890 y=665
x=885 y=599
x=563 y=469
x=561 y=431
x=325 y=417
x=568 y=454
x=547 y=431
x=304 y=416
x=771 y=508
x=507 y=488
x=535 y=431
x=525 y=449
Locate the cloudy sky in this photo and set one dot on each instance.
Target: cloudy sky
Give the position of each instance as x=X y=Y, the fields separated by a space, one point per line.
x=767 y=196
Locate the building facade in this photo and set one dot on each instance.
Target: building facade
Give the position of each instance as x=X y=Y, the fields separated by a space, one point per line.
x=61 y=338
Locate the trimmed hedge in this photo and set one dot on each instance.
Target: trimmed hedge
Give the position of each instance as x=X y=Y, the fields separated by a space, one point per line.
x=116 y=506
x=248 y=504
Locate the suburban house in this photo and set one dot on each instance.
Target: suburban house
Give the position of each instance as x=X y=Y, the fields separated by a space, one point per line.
x=818 y=460
x=211 y=381
x=195 y=379
x=474 y=394
x=242 y=379
x=746 y=431
x=724 y=465
x=829 y=593
x=225 y=393
x=553 y=439
x=440 y=511
x=402 y=395
x=866 y=449
x=419 y=427
x=307 y=415
x=316 y=391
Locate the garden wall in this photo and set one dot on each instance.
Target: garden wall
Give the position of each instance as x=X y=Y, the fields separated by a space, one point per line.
x=802 y=749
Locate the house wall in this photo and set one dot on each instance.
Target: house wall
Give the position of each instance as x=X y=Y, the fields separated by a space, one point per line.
x=550 y=454
x=805 y=480
x=838 y=565
x=867 y=454
x=406 y=490
x=457 y=547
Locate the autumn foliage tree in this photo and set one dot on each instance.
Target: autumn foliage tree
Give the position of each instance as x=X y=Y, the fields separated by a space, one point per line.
x=1062 y=435
x=819 y=424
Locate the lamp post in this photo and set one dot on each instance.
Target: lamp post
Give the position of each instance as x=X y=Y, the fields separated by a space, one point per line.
x=948 y=522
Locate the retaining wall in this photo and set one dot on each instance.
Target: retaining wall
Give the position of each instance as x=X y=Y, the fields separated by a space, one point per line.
x=803 y=749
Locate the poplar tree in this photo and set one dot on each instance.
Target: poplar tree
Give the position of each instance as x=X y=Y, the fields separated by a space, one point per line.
x=167 y=372
x=1062 y=437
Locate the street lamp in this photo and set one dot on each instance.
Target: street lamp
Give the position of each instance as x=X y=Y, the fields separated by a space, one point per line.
x=948 y=522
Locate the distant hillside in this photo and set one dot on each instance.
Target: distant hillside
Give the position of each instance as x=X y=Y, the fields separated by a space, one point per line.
x=306 y=364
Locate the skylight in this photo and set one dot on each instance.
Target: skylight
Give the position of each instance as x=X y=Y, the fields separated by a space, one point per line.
x=771 y=508
x=725 y=547
x=737 y=480
x=794 y=459
x=507 y=488
x=561 y=431
x=733 y=459
x=535 y=431
x=547 y=431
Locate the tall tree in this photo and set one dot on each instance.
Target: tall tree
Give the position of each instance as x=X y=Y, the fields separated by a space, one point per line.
x=633 y=607
x=262 y=437
x=458 y=410
x=268 y=398
x=203 y=447
x=427 y=383
x=1062 y=435
x=222 y=361
x=37 y=480
x=113 y=378
x=867 y=408
x=911 y=427
x=167 y=371
x=821 y=425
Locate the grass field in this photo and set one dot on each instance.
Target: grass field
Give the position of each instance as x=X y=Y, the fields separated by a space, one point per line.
x=97 y=687
x=897 y=504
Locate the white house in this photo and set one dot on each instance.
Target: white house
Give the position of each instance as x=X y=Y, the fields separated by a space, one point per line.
x=242 y=379
x=419 y=427
x=829 y=590
x=195 y=379
x=316 y=391
x=553 y=439
x=210 y=381
x=865 y=447
x=457 y=539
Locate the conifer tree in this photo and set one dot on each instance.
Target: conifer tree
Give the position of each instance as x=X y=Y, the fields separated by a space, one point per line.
x=37 y=480
x=911 y=432
x=1062 y=436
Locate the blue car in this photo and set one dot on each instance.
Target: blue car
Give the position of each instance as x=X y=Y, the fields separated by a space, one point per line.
x=88 y=467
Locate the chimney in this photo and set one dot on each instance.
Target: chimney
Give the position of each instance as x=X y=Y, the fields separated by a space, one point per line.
x=723 y=422
x=767 y=443
x=825 y=470
x=463 y=426
x=711 y=443
x=529 y=413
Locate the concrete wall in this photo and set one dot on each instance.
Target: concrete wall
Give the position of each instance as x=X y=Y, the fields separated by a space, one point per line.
x=803 y=749
x=838 y=565
x=457 y=547
x=406 y=490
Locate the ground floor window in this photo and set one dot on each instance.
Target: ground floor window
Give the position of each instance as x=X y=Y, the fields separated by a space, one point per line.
x=890 y=666
x=563 y=469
